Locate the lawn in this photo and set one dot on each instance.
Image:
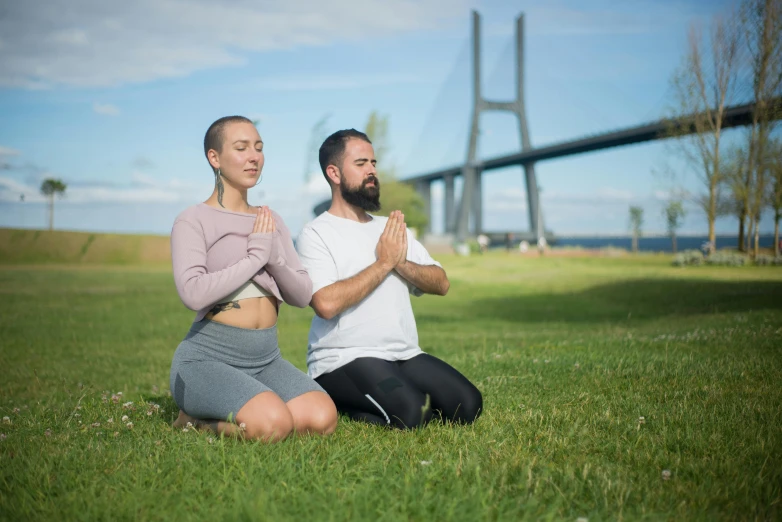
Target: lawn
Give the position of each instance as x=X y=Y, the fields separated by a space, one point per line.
x=614 y=389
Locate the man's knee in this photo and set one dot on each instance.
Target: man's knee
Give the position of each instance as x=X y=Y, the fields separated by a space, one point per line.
x=470 y=406
x=415 y=412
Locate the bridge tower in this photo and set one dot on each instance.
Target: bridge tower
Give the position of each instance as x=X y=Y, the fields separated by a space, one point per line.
x=471 y=190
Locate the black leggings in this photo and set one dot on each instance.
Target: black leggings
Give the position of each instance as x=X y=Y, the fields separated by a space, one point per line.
x=403 y=394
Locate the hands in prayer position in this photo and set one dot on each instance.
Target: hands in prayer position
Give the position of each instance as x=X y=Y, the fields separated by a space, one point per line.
x=391 y=250
x=264 y=222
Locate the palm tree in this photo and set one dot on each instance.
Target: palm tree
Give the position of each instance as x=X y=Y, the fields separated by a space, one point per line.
x=49 y=188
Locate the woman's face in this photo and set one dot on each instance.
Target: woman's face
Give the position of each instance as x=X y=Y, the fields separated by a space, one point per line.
x=241 y=159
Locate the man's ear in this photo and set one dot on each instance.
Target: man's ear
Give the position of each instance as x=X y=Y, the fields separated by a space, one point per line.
x=333 y=174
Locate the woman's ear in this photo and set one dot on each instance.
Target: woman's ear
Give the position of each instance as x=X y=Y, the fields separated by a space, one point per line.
x=214 y=159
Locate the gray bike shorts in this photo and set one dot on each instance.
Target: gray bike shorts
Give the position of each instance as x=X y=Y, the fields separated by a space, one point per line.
x=218 y=368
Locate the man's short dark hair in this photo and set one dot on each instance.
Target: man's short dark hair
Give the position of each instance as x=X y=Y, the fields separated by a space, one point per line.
x=332 y=151
x=214 y=134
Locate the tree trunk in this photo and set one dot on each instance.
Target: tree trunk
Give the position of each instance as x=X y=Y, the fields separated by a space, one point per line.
x=673 y=242
x=757 y=238
x=776 y=234
x=635 y=243
x=51 y=212
x=742 y=221
x=712 y=213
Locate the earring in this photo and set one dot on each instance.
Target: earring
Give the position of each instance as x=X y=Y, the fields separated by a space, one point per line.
x=218 y=173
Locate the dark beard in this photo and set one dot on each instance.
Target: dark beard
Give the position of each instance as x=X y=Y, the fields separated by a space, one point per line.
x=363 y=197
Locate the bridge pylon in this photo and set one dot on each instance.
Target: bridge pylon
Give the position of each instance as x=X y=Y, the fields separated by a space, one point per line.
x=470 y=205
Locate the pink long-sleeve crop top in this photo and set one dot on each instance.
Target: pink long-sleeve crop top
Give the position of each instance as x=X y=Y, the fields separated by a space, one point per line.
x=214 y=253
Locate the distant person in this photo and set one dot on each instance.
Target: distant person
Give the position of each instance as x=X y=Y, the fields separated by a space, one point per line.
x=483 y=243
x=542 y=244
x=509 y=241
x=523 y=247
x=233 y=265
x=363 y=343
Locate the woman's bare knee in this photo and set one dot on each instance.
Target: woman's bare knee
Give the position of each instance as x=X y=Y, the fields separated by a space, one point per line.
x=265 y=417
x=313 y=412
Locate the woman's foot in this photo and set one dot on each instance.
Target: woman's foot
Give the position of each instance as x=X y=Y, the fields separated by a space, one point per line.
x=184 y=419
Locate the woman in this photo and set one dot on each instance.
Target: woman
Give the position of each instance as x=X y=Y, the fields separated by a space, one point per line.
x=233 y=264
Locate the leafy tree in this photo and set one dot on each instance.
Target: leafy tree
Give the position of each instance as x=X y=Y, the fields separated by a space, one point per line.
x=394 y=195
x=674 y=214
x=775 y=194
x=49 y=188
x=636 y=222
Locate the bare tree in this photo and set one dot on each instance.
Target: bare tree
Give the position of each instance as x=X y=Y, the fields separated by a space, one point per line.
x=636 y=223
x=702 y=92
x=762 y=32
x=49 y=188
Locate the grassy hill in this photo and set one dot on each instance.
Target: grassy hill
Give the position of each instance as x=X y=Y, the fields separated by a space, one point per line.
x=59 y=247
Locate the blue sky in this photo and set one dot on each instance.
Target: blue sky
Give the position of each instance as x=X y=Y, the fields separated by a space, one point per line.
x=115 y=99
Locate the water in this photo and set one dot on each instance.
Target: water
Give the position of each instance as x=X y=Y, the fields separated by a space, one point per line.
x=656 y=243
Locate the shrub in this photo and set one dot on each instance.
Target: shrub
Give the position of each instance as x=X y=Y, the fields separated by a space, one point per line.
x=688 y=258
x=768 y=260
x=727 y=259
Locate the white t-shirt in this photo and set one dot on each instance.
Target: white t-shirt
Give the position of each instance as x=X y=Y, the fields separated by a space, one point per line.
x=382 y=325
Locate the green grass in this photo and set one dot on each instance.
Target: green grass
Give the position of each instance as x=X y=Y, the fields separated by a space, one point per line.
x=568 y=353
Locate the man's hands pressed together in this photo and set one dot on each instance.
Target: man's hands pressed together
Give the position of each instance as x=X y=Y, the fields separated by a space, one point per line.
x=391 y=250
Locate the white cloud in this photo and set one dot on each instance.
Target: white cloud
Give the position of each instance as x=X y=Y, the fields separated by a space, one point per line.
x=8 y=151
x=105 y=109
x=334 y=82
x=142 y=189
x=88 y=43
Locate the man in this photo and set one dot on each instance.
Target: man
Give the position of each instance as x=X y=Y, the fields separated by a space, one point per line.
x=363 y=343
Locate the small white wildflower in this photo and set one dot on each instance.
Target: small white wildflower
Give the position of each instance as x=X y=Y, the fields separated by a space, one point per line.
x=666 y=474
x=129 y=425
x=156 y=407
x=582 y=519
x=115 y=398
x=210 y=440
x=116 y=434
x=641 y=420
x=96 y=424
x=110 y=420
x=124 y=418
x=242 y=426
x=186 y=429
x=78 y=406
x=99 y=433
x=426 y=462
x=16 y=410
x=48 y=433
x=546 y=361
x=77 y=415
x=2 y=437
x=119 y=393
x=149 y=413
x=6 y=420
x=577 y=366
x=189 y=425
x=497 y=356
x=127 y=404
x=534 y=360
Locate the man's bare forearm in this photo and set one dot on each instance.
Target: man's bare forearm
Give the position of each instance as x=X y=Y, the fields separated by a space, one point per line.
x=430 y=279
x=334 y=299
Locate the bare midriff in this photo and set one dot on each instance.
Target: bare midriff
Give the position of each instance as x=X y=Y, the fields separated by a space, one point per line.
x=253 y=313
